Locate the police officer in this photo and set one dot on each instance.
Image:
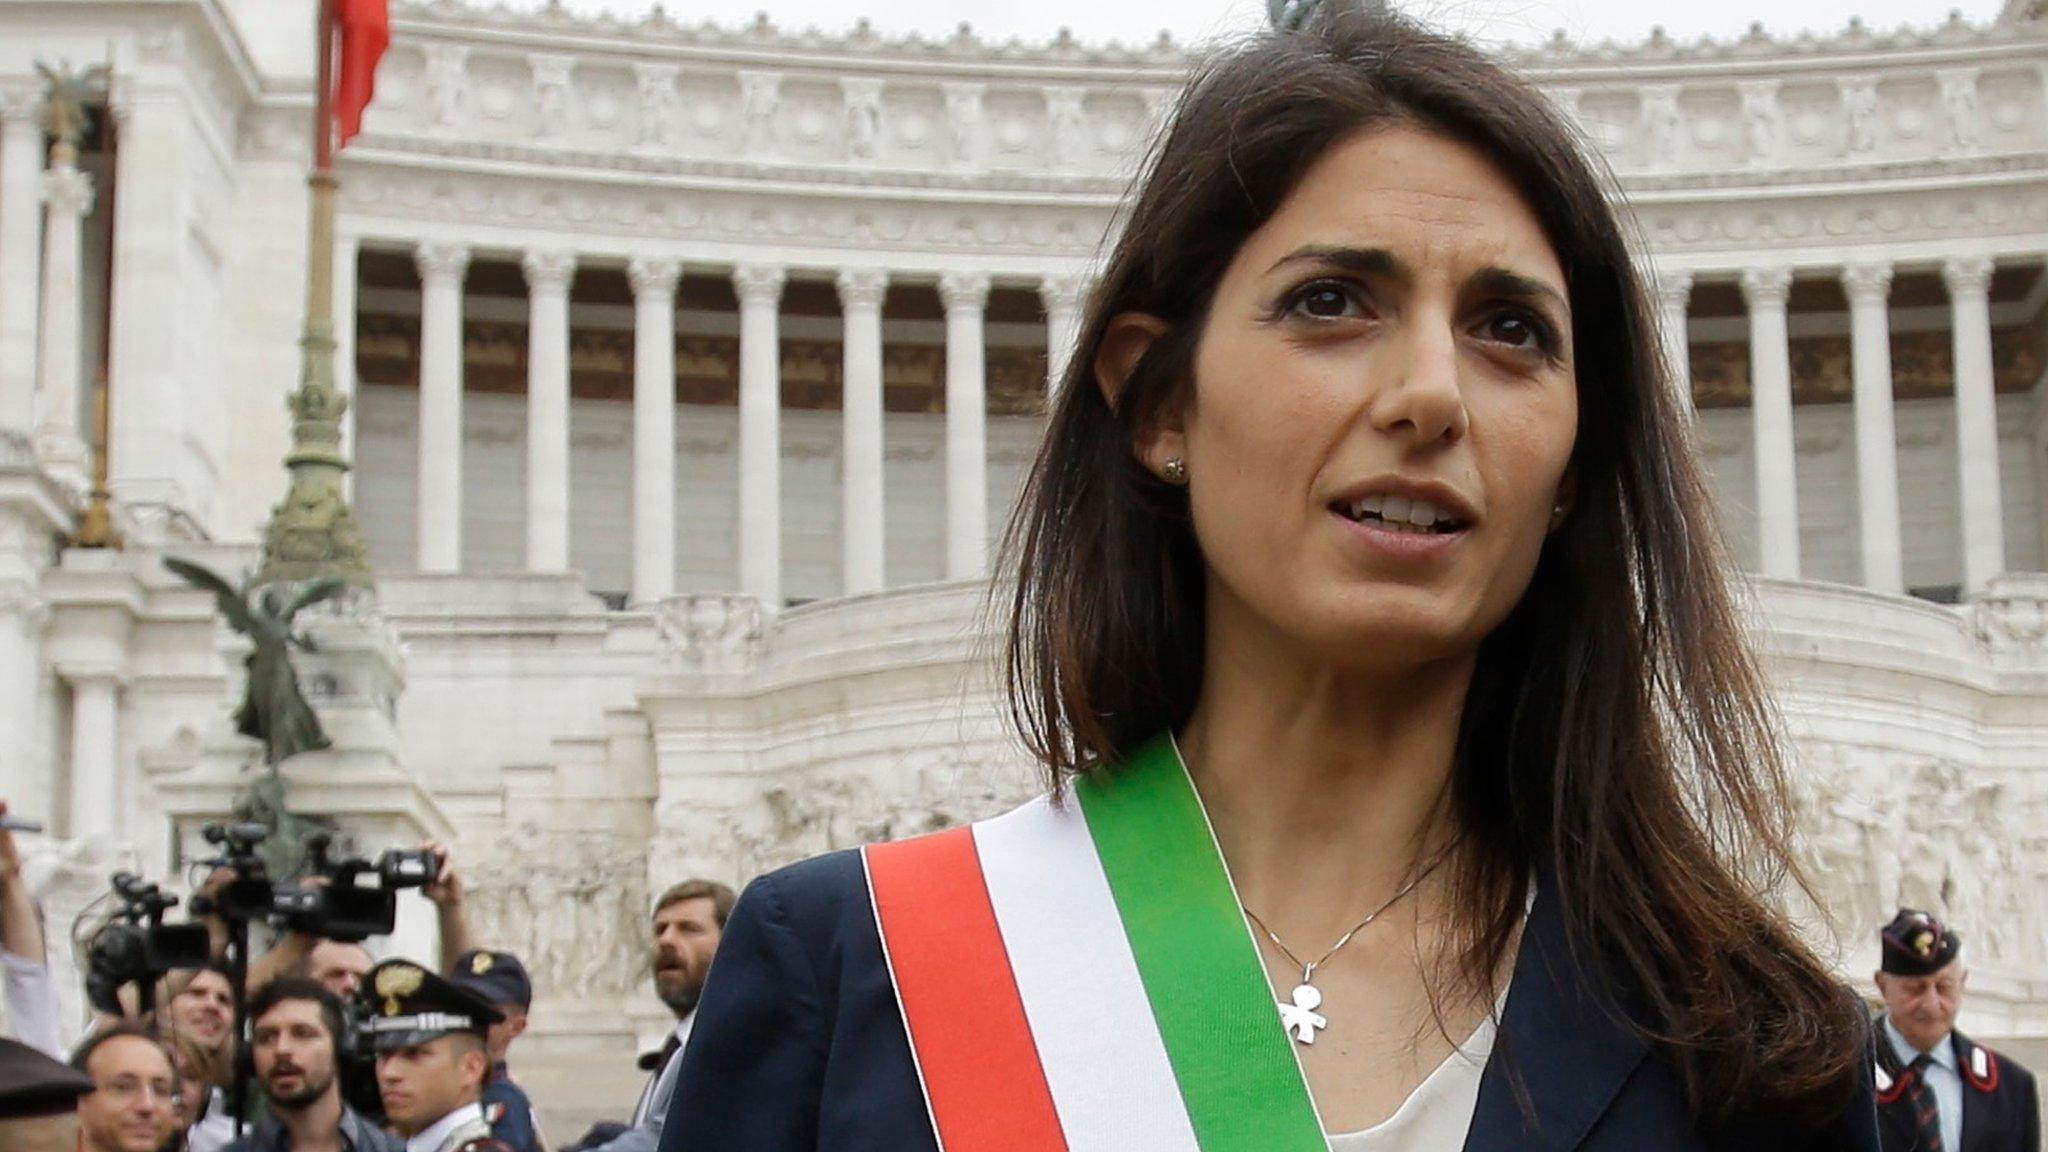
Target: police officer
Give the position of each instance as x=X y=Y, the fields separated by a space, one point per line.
x=501 y=980
x=432 y=1061
x=1936 y=1088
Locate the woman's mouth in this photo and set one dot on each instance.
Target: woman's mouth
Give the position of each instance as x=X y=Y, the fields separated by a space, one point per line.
x=1400 y=514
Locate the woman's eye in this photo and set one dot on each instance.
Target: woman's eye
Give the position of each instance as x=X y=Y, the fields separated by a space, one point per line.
x=1519 y=331
x=1324 y=301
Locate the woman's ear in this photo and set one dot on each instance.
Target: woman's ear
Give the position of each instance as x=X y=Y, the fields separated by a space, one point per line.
x=1130 y=336
x=1567 y=497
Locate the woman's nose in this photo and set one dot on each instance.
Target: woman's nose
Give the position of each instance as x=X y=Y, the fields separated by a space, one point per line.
x=1418 y=394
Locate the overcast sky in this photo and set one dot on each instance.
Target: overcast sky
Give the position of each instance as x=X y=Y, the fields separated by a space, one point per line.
x=1132 y=21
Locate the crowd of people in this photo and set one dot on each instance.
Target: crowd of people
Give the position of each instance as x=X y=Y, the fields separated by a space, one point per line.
x=344 y=1053
x=348 y=1054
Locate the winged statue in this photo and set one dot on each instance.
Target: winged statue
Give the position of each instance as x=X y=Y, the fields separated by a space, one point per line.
x=273 y=710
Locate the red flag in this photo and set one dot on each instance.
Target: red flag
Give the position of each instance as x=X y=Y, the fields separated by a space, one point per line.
x=365 y=31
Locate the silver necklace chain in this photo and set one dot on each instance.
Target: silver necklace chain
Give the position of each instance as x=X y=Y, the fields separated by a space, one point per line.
x=1300 y=1016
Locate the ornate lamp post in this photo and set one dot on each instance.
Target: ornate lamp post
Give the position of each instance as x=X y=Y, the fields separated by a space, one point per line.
x=313 y=532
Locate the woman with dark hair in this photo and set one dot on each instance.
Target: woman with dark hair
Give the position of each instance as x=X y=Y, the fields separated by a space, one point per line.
x=1413 y=786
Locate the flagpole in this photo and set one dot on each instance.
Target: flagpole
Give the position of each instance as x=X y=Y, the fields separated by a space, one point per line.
x=320 y=262
x=313 y=534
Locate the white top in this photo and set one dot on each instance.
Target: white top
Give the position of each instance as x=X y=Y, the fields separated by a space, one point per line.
x=1439 y=1112
x=1942 y=1076
x=429 y=1139
x=32 y=1004
x=216 y=1129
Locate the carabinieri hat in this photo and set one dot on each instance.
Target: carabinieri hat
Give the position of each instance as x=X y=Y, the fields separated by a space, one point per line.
x=498 y=977
x=403 y=1005
x=1917 y=944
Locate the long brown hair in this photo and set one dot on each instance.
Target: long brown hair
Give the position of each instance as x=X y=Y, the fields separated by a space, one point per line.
x=1616 y=734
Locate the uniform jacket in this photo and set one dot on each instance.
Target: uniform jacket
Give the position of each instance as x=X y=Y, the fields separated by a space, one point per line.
x=475 y=1136
x=2001 y=1109
x=510 y=1112
x=799 y=1046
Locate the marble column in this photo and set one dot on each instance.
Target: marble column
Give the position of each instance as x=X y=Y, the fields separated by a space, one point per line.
x=1061 y=294
x=759 y=287
x=442 y=267
x=1877 y=449
x=1674 y=290
x=860 y=298
x=1983 y=518
x=60 y=375
x=654 y=426
x=21 y=255
x=548 y=275
x=25 y=556
x=346 y=251
x=965 y=295
x=95 y=753
x=1770 y=383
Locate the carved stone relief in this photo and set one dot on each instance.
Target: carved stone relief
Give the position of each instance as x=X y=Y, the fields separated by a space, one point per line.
x=1968 y=844
x=551 y=88
x=447 y=84
x=760 y=96
x=658 y=102
x=863 y=116
x=572 y=905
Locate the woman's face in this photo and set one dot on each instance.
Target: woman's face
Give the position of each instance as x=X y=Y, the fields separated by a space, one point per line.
x=1384 y=407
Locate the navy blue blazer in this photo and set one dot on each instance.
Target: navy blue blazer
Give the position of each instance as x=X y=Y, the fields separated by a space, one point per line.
x=799 y=1046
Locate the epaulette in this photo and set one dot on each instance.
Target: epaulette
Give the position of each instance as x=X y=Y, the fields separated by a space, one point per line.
x=1981 y=1070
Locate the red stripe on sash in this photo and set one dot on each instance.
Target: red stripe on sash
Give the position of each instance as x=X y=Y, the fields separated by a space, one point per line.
x=980 y=1066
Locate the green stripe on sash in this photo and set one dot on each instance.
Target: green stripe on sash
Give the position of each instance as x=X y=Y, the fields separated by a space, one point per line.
x=1235 y=1064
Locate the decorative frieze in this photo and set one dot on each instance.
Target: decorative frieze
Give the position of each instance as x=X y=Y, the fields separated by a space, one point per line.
x=1746 y=112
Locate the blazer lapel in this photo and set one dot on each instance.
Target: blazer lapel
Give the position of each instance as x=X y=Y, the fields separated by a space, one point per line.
x=1569 y=1053
x=1976 y=1105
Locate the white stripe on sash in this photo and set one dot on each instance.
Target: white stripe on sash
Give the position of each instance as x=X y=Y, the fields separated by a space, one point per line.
x=1103 y=1057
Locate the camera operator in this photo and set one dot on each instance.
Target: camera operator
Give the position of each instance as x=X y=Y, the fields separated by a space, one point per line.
x=432 y=1058
x=133 y=1104
x=296 y=1035
x=32 y=1008
x=337 y=966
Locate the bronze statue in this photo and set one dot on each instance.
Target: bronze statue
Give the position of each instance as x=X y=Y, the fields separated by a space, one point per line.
x=273 y=710
x=70 y=93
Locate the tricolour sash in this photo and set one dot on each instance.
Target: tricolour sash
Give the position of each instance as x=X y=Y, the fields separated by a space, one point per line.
x=1082 y=977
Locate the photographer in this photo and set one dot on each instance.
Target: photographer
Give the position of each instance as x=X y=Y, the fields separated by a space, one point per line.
x=295 y=1032
x=336 y=966
x=33 y=1013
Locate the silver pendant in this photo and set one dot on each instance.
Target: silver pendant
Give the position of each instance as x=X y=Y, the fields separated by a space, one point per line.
x=1300 y=1017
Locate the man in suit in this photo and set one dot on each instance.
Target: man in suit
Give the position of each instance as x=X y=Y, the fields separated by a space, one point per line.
x=1937 y=1090
x=689 y=921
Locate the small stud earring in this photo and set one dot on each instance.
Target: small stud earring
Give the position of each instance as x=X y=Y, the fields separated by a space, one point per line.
x=1175 y=470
